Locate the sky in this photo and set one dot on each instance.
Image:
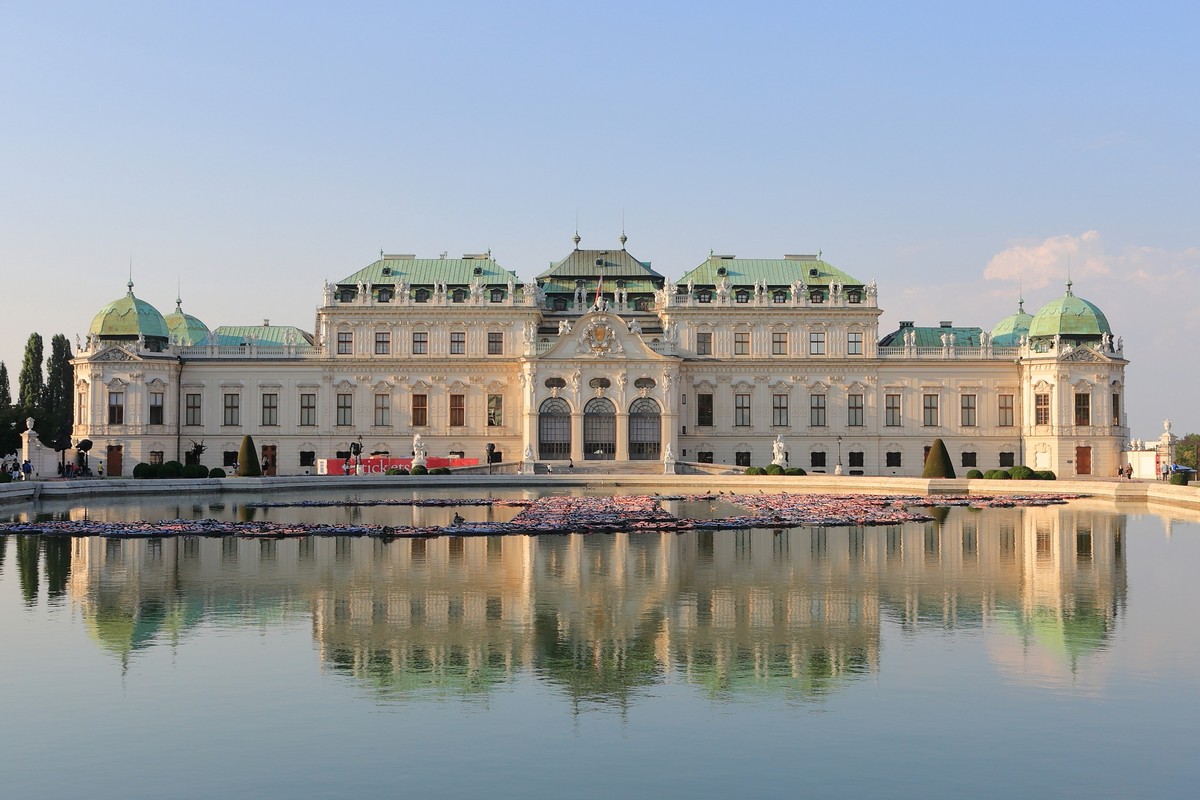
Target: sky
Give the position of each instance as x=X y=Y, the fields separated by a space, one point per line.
x=961 y=154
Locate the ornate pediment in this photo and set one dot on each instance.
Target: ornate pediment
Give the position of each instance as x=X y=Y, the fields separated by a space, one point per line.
x=1085 y=355
x=114 y=354
x=600 y=338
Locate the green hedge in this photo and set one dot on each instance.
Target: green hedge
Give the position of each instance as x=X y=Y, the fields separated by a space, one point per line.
x=216 y=472
x=795 y=471
x=974 y=473
x=775 y=469
x=1046 y=475
x=1023 y=473
x=419 y=470
x=1179 y=479
x=997 y=475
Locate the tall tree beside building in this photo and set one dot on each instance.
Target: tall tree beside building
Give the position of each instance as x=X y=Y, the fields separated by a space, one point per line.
x=5 y=389
x=30 y=384
x=57 y=397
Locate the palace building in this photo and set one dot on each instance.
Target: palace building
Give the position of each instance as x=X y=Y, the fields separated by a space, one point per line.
x=602 y=358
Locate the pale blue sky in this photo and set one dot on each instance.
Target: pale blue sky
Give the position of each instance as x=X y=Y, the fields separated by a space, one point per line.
x=249 y=151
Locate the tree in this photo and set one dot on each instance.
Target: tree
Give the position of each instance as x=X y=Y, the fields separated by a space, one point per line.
x=5 y=390
x=1185 y=450
x=248 y=466
x=30 y=383
x=937 y=463
x=56 y=399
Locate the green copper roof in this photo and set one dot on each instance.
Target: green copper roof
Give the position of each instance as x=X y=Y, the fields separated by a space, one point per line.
x=1069 y=316
x=184 y=328
x=128 y=318
x=268 y=335
x=932 y=337
x=427 y=271
x=567 y=285
x=590 y=263
x=775 y=271
x=1008 y=331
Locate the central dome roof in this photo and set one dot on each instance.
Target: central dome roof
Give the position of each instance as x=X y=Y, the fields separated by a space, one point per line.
x=1070 y=317
x=128 y=318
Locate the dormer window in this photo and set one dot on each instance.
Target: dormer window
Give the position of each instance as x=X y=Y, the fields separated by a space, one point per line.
x=560 y=304
x=722 y=271
x=497 y=295
x=385 y=295
x=817 y=296
x=854 y=296
x=346 y=296
x=742 y=296
x=422 y=296
x=459 y=296
x=641 y=304
x=704 y=296
x=780 y=296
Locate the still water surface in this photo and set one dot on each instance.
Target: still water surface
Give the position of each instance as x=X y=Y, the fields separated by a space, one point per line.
x=996 y=653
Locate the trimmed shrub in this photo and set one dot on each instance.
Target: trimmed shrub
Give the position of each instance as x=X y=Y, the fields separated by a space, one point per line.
x=775 y=469
x=997 y=475
x=1046 y=475
x=1179 y=479
x=5 y=477
x=394 y=471
x=974 y=474
x=143 y=470
x=195 y=471
x=755 y=471
x=1022 y=473
x=216 y=472
x=171 y=469
x=419 y=470
x=937 y=463
x=440 y=471
x=795 y=471
x=248 y=466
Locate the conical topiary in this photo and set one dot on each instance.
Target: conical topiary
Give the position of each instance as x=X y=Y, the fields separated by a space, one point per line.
x=937 y=463
x=248 y=466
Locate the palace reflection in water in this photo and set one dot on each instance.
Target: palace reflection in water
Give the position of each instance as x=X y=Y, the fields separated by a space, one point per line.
x=796 y=612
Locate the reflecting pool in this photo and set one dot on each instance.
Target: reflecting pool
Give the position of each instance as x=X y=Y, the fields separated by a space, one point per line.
x=994 y=652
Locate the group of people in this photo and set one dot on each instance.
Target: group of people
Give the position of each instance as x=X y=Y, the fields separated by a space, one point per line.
x=70 y=470
x=17 y=470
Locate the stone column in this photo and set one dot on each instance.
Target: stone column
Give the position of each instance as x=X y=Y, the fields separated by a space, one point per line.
x=622 y=435
x=577 y=435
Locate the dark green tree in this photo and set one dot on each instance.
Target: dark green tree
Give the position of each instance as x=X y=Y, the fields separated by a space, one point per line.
x=31 y=384
x=5 y=389
x=57 y=397
x=1185 y=450
x=937 y=463
x=248 y=466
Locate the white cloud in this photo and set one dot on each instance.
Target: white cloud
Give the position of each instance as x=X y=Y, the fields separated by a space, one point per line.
x=1038 y=265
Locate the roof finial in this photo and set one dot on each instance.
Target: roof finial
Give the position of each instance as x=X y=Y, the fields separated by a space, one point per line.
x=576 y=237
x=178 y=299
x=130 y=284
x=381 y=254
x=819 y=254
x=1020 y=294
x=624 y=238
x=1069 y=284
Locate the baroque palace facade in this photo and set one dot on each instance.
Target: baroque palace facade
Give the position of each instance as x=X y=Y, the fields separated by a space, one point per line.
x=600 y=357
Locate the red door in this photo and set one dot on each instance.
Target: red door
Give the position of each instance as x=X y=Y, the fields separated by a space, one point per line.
x=268 y=459
x=113 y=467
x=1083 y=461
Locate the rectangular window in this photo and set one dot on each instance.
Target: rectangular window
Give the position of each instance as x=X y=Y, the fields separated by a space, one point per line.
x=741 y=458
x=1008 y=459
x=383 y=343
x=270 y=409
x=779 y=344
x=741 y=410
x=779 y=410
x=892 y=415
x=1041 y=409
x=704 y=343
x=741 y=343
x=495 y=411
x=705 y=456
x=458 y=343
x=383 y=410
x=233 y=409
x=229 y=458
x=816 y=410
x=1116 y=406
x=854 y=343
x=854 y=410
x=345 y=342
x=308 y=458
x=1083 y=409
x=156 y=408
x=968 y=459
x=929 y=404
x=968 y=410
x=816 y=458
x=816 y=343
x=345 y=409
x=857 y=458
x=420 y=343
x=892 y=459
x=116 y=408
x=704 y=410
x=495 y=343
x=1007 y=415
x=156 y=456
x=191 y=409
x=420 y=410
x=308 y=409
x=458 y=410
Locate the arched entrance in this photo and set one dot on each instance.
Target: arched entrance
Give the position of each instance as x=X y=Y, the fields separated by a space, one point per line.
x=554 y=429
x=599 y=430
x=645 y=430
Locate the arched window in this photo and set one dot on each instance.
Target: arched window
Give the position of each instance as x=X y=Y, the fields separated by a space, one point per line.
x=554 y=429
x=599 y=429
x=645 y=429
